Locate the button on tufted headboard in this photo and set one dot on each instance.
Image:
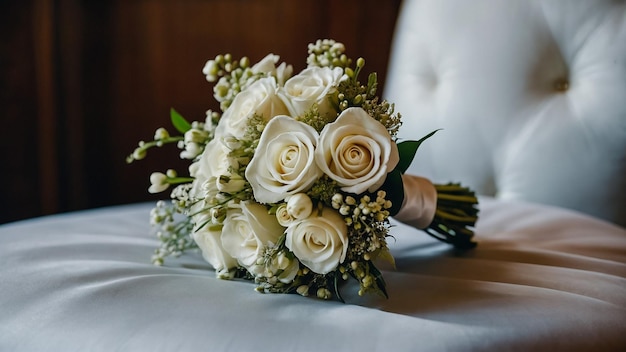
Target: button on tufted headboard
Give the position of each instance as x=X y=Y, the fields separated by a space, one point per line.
x=531 y=97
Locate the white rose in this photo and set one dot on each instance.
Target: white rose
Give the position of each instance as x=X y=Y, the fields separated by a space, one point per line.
x=267 y=66
x=283 y=216
x=312 y=86
x=300 y=206
x=259 y=98
x=356 y=151
x=284 y=161
x=320 y=242
x=247 y=231
x=212 y=163
x=230 y=183
x=208 y=239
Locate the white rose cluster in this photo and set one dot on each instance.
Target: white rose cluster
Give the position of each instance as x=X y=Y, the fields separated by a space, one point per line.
x=355 y=150
x=293 y=182
x=252 y=201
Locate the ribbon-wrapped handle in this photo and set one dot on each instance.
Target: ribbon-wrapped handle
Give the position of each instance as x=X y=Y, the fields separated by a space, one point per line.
x=446 y=212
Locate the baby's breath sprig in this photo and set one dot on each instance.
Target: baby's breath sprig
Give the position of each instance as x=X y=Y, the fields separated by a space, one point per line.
x=173 y=233
x=353 y=94
x=368 y=224
x=161 y=138
x=308 y=282
x=363 y=212
x=275 y=265
x=385 y=114
x=180 y=197
x=194 y=141
x=242 y=150
x=324 y=189
x=313 y=118
x=327 y=53
x=255 y=126
x=231 y=76
x=221 y=193
x=195 y=136
x=159 y=181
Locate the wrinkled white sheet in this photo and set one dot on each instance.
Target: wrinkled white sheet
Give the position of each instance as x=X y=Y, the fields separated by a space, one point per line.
x=540 y=278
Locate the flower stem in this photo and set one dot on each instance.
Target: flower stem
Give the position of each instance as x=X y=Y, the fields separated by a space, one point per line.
x=179 y=180
x=140 y=151
x=455 y=216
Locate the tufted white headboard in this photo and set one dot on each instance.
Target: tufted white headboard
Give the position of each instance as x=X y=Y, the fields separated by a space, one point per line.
x=531 y=97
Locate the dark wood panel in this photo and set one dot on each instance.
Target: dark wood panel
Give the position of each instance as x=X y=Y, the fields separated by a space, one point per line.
x=96 y=77
x=19 y=170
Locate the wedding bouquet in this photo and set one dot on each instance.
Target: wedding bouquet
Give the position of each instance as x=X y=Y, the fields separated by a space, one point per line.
x=293 y=183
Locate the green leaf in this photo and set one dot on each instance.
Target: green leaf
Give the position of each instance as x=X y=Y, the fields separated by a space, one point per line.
x=407 y=150
x=179 y=121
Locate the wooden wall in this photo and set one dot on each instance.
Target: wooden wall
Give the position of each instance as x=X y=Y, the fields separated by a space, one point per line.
x=82 y=81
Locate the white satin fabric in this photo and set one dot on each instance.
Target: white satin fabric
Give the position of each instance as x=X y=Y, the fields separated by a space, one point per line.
x=530 y=95
x=541 y=278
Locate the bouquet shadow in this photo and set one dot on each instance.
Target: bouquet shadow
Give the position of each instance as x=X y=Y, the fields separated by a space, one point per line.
x=433 y=281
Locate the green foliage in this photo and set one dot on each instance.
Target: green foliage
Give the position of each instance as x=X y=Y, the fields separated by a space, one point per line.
x=407 y=150
x=179 y=122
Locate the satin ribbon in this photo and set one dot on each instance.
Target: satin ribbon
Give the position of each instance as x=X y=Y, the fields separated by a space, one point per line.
x=420 y=202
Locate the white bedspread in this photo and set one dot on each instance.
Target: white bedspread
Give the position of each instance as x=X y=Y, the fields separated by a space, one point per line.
x=541 y=278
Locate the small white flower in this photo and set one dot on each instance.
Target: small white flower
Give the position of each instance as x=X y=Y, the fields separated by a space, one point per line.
x=218 y=214
x=323 y=293
x=192 y=150
x=158 y=182
x=299 y=206
x=284 y=268
x=337 y=198
x=231 y=183
x=209 y=124
x=195 y=135
x=161 y=133
x=139 y=153
x=194 y=141
x=303 y=290
x=210 y=70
